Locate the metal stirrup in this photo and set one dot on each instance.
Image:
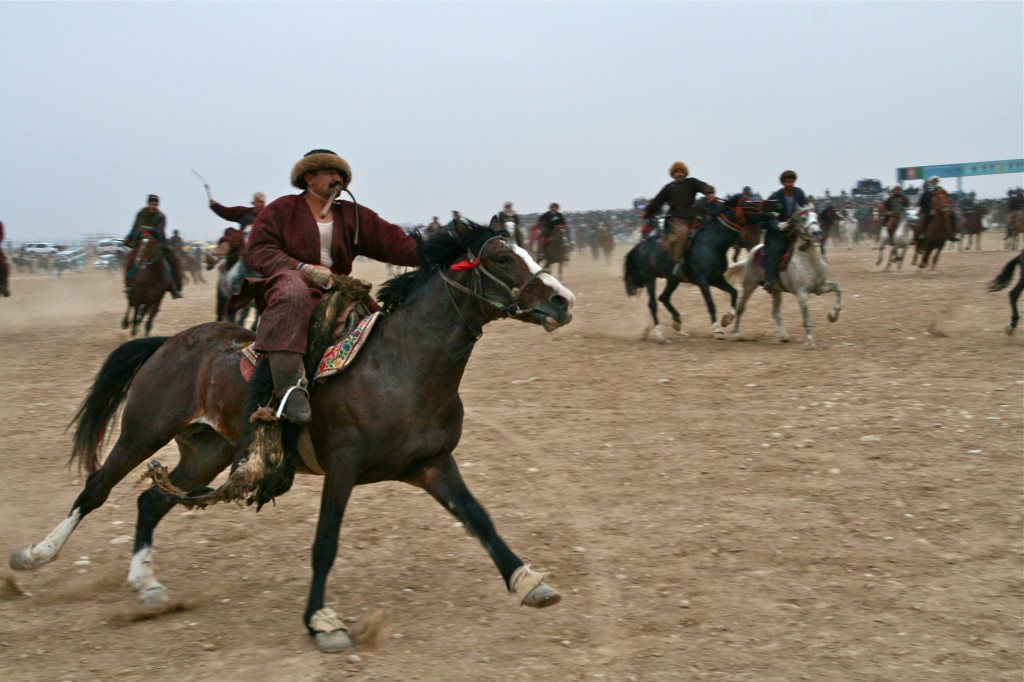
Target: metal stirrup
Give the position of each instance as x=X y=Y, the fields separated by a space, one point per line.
x=284 y=398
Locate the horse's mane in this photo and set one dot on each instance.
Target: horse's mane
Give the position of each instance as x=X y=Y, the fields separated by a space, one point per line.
x=437 y=252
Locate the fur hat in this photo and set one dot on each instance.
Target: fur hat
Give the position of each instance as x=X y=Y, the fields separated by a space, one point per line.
x=787 y=174
x=152 y=199
x=259 y=196
x=320 y=159
x=678 y=166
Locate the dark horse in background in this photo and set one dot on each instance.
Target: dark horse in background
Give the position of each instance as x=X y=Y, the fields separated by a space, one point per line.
x=936 y=232
x=392 y=415
x=706 y=261
x=152 y=281
x=555 y=248
x=1002 y=280
x=972 y=228
x=829 y=220
x=5 y=273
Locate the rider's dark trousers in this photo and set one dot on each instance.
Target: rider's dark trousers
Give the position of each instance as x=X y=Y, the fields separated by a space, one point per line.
x=774 y=247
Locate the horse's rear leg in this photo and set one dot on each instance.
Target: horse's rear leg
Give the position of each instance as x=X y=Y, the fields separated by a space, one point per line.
x=805 y=311
x=777 y=316
x=441 y=478
x=1015 y=293
x=749 y=286
x=126 y=454
x=203 y=455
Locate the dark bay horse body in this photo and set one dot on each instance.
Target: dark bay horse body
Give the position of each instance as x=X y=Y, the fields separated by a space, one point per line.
x=555 y=248
x=1002 y=280
x=936 y=232
x=151 y=282
x=705 y=267
x=972 y=228
x=5 y=273
x=391 y=415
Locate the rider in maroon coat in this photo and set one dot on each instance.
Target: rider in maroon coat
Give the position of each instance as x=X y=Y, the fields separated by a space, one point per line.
x=297 y=254
x=231 y=244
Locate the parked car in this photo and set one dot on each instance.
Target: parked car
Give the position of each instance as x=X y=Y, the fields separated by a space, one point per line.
x=110 y=246
x=106 y=261
x=39 y=249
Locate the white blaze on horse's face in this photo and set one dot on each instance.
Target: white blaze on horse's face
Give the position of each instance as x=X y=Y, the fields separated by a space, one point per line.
x=545 y=277
x=810 y=226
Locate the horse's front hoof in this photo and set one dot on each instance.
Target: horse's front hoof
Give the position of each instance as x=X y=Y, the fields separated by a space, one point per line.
x=833 y=316
x=1009 y=329
x=155 y=596
x=333 y=642
x=124 y=324
x=784 y=339
x=542 y=596
x=677 y=325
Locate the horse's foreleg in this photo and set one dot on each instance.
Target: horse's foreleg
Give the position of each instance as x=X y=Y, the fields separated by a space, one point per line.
x=124 y=321
x=324 y=625
x=705 y=291
x=441 y=478
x=202 y=458
x=721 y=283
x=833 y=314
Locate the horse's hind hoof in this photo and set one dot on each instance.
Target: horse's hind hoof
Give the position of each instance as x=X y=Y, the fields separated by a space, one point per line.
x=542 y=596
x=155 y=596
x=22 y=559
x=333 y=642
x=832 y=317
x=1009 y=329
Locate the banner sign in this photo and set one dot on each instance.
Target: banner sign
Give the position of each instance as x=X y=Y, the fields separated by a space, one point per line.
x=960 y=170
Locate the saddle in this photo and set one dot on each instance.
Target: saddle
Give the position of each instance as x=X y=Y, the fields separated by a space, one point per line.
x=783 y=262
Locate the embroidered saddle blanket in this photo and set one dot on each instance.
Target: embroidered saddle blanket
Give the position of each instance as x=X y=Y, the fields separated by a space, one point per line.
x=336 y=358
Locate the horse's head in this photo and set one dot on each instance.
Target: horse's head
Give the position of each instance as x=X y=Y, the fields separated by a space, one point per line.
x=483 y=263
x=805 y=222
x=941 y=201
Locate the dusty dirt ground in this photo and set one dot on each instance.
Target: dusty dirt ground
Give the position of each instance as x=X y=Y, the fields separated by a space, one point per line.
x=709 y=509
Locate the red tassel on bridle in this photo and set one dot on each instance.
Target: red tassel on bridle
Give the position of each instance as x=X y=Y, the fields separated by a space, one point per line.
x=464 y=265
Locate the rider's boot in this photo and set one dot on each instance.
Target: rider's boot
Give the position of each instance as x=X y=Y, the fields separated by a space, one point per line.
x=289 y=377
x=677 y=270
x=174 y=292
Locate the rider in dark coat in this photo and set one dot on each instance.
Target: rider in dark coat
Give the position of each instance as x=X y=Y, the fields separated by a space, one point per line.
x=895 y=205
x=925 y=203
x=790 y=198
x=680 y=195
x=152 y=220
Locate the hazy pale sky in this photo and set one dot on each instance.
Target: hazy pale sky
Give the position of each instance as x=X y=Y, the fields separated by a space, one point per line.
x=464 y=105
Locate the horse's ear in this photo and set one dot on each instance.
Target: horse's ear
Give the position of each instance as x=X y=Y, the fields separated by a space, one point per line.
x=496 y=224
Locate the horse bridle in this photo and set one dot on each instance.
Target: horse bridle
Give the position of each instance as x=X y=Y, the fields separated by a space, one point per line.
x=478 y=271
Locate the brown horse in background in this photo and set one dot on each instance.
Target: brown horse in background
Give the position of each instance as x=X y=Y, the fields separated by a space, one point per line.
x=1014 y=225
x=972 y=228
x=937 y=232
x=555 y=248
x=151 y=282
x=5 y=272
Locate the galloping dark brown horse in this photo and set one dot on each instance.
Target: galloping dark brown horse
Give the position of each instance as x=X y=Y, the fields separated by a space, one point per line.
x=555 y=248
x=150 y=283
x=393 y=414
x=936 y=232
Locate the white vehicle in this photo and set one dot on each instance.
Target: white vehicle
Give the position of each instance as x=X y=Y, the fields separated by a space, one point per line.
x=104 y=262
x=110 y=246
x=39 y=248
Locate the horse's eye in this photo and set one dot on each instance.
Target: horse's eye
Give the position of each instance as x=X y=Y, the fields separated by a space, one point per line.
x=504 y=260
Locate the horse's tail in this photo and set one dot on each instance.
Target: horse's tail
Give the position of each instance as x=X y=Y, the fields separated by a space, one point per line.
x=631 y=273
x=1004 y=277
x=734 y=274
x=107 y=393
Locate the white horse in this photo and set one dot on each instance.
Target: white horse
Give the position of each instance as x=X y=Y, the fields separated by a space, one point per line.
x=805 y=274
x=849 y=226
x=900 y=239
